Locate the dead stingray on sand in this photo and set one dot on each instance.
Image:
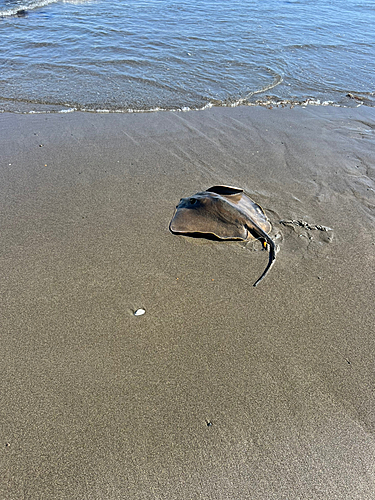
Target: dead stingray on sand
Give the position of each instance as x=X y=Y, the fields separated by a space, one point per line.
x=227 y=213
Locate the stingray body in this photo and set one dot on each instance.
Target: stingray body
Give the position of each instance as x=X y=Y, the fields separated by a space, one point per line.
x=227 y=213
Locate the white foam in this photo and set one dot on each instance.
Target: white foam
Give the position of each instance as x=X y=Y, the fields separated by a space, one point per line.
x=69 y=110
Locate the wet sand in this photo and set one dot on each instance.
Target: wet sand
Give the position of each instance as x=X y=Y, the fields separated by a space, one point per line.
x=99 y=404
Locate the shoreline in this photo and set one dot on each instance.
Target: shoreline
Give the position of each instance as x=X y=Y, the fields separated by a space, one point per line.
x=348 y=100
x=99 y=403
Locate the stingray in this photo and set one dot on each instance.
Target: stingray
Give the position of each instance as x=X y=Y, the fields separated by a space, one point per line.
x=226 y=213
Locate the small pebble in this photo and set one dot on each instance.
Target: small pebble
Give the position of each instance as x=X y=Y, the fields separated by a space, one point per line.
x=139 y=312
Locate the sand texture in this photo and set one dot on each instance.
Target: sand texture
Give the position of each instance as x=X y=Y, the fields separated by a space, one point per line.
x=99 y=404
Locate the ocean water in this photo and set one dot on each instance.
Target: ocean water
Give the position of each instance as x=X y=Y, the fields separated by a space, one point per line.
x=143 y=55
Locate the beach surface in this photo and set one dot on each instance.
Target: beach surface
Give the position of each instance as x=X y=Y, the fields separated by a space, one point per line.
x=220 y=390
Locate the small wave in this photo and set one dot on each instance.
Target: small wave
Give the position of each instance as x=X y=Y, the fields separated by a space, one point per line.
x=277 y=79
x=21 y=9
x=267 y=102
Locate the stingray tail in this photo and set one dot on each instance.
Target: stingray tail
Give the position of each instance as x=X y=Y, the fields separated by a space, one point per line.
x=272 y=253
x=271 y=261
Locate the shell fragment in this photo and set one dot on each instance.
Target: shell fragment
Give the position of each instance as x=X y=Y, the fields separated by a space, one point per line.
x=139 y=312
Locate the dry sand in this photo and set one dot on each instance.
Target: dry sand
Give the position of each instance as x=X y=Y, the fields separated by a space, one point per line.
x=99 y=404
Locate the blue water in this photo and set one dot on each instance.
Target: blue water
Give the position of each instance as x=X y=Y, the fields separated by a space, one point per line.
x=161 y=54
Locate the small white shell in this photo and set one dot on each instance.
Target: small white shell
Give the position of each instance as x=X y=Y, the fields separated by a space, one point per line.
x=139 y=312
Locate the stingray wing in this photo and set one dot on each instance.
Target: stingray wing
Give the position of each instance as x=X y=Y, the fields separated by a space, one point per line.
x=205 y=213
x=240 y=201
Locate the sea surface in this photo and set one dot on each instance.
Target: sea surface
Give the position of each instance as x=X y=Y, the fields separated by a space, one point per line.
x=145 y=55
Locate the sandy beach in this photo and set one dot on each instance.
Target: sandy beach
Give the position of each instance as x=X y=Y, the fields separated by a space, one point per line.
x=99 y=404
